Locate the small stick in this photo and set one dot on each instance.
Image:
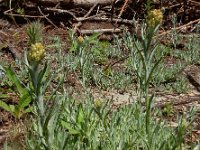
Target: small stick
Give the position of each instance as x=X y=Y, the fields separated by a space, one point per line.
x=175 y=5
x=85 y=16
x=61 y=11
x=183 y=26
x=91 y=9
x=182 y=102
x=197 y=3
x=88 y=18
x=46 y=18
x=122 y=9
x=100 y=31
x=115 y=62
x=125 y=21
x=1 y=32
x=18 y=15
x=79 y=19
x=8 y=50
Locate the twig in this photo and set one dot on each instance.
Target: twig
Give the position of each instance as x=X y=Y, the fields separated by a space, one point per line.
x=193 y=81
x=122 y=9
x=91 y=9
x=85 y=16
x=115 y=62
x=1 y=32
x=125 y=21
x=175 y=5
x=194 y=2
x=79 y=19
x=183 y=26
x=11 y=14
x=100 y=31
x=19 y=15
x=46 y=18
x=61 y=11
x=182 y=102
x=8 y=50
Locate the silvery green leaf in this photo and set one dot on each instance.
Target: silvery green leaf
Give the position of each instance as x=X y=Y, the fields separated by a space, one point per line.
x=1 y=68
x=2 y=73
x=196 y=147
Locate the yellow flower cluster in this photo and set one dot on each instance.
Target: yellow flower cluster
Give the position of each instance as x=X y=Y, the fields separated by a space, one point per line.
x=37 y=52
x=98 y=103
x=80 y=39
x=155 y=17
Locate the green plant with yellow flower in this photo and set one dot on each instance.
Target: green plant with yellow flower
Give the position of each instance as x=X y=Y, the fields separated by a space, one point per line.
x=143 y=59
x=43 y=129
x=34 y=57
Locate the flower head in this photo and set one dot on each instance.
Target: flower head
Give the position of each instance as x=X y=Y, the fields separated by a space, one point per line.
x=98 y=103
x=185 y=123
x=80 y=39
x=36 y=53
x=154 y=17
